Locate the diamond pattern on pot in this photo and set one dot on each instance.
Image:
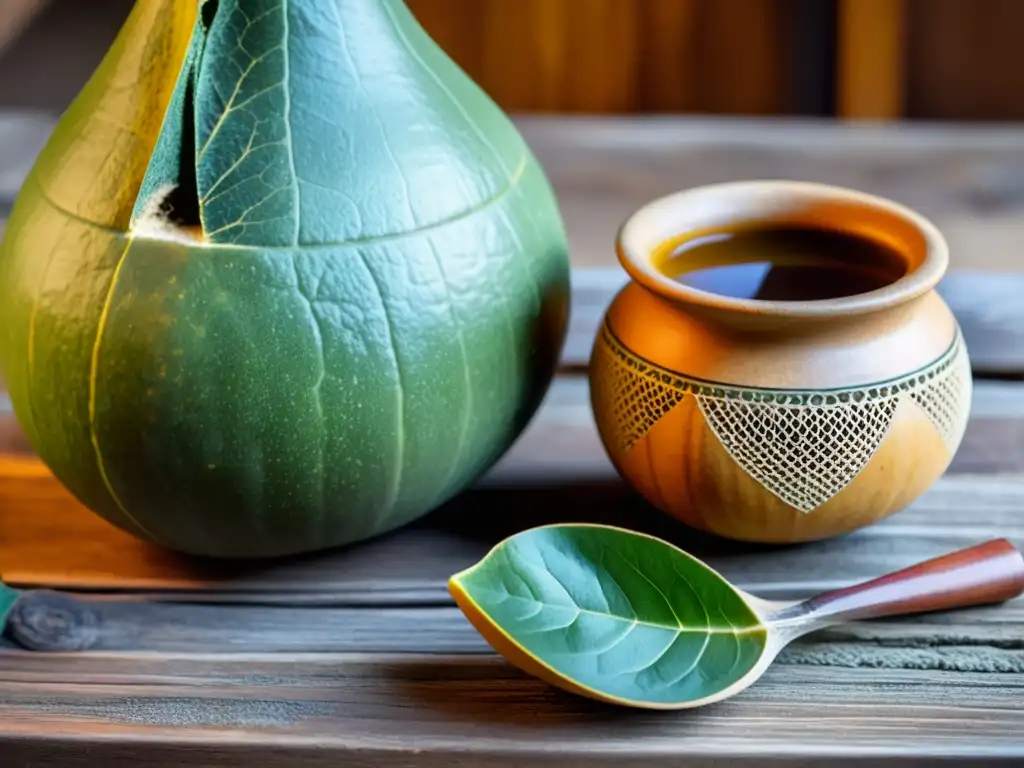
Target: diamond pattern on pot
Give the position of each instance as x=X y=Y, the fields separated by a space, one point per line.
x=945 y=399
x=804 y=454
x=635 y=395
x=804 y=446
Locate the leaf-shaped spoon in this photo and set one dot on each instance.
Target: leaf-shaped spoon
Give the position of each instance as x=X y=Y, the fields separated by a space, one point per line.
x=629 y=619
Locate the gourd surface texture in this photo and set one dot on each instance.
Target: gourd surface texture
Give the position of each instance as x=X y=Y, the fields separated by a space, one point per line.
x=284 y=278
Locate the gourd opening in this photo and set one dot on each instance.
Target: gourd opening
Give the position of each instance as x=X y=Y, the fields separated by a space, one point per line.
x=178 y=206
x=168 y=206
x=892 y=254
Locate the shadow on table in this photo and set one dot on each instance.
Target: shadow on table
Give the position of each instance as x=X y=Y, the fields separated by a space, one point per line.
x=490 y=514
x=485 y=690
x=410 y=563
x=480 y=518
x=489 y=693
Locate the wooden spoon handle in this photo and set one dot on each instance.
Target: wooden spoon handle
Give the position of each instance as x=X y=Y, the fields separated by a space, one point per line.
x=987 y=573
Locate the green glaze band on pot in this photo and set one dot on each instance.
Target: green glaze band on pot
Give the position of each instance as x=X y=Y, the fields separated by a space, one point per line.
x=284 y=278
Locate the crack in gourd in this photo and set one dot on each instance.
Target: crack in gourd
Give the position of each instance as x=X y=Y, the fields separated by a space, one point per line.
x=93 y=384
x=321 y=375
x=467 y=408
x=387 y=508
x=417 y=224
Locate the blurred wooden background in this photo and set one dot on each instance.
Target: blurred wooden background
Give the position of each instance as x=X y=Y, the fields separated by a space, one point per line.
x=884 y=59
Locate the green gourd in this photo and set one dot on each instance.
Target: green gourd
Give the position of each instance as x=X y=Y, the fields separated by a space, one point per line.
x=283 y=278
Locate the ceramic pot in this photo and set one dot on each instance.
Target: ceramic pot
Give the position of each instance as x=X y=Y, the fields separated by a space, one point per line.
x=780 y=421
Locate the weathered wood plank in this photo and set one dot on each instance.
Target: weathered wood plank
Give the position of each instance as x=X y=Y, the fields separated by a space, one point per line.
x=60 y=544
x=432 y=711
x=979 y=639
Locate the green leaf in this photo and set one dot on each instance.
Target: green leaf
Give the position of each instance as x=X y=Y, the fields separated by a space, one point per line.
x=8 y=597
x=613 y=615
x=313 y=122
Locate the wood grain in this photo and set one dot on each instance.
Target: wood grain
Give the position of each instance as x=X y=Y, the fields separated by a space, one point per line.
x=964 y=60
x=433 y=711
x=618 y=56
x=872 y=56
x=669 y=32
x=543 y=55
x=962 y=63
x=740 y=56
x=162 y=626
x=883 y=59
x=455 y=26
x=524 y=53
x=932 y=59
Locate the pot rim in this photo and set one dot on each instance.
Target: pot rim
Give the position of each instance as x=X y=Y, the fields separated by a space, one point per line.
x=914 y=236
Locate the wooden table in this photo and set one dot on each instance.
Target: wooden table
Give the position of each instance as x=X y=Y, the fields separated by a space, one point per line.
x=359 y=657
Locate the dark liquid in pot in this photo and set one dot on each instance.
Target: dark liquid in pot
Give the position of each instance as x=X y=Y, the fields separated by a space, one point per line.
x=781 y=263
